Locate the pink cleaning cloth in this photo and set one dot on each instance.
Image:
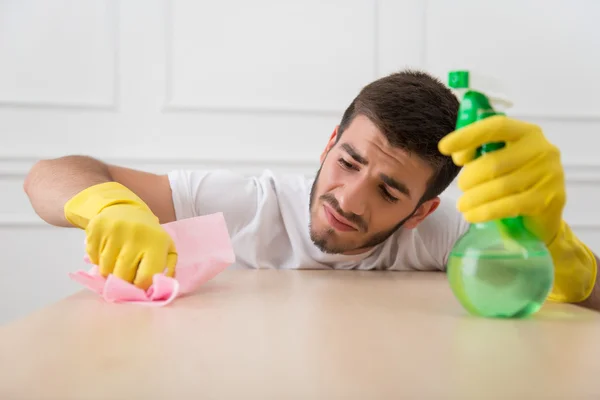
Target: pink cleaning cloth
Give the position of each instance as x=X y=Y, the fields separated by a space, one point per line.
x=203 y=250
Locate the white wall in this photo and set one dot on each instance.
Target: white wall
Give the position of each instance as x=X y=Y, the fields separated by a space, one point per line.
x=164 y=84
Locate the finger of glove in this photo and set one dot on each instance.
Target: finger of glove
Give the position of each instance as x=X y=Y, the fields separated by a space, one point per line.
x=497 y=128
x=171 y=261
x=498 y=163
x=523 y=203
x=461 y=158
x=153 y=262
x=127 y=262
x=521 y=180
x=108 y=257
x=94 y=243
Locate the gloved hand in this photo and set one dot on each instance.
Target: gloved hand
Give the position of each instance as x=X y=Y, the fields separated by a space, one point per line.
x=524 y=178
x=123 y=236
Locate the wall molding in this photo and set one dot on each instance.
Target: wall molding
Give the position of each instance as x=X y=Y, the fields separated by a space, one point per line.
x=60 y=106
x=169 y=108
x=8 y=221
x=17 y=167
x=112 y=106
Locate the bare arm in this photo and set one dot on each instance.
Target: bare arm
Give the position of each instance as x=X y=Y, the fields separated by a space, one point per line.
x=51 y=183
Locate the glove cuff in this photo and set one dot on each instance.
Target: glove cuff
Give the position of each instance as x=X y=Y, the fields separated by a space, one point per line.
x=85 y=205
x=575 y=267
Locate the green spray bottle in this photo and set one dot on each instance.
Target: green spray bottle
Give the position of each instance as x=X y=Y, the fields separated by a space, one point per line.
x=497 y=269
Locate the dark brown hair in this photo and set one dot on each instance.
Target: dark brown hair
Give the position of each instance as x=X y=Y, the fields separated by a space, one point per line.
x=415 y=111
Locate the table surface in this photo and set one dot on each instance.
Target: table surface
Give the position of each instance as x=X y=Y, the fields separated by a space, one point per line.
x=269 y=334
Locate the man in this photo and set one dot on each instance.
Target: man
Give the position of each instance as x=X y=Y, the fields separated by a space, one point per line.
x=374 y=203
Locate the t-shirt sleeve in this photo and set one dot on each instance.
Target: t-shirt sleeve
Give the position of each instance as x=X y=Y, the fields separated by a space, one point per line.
x=453 y=226
x=198 y=193
x=428 y=246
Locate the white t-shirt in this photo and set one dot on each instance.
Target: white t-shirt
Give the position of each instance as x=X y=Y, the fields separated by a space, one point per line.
x=267 y=217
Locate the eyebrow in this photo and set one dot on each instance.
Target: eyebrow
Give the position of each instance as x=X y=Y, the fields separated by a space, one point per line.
x=354 y=154
x=388 y=180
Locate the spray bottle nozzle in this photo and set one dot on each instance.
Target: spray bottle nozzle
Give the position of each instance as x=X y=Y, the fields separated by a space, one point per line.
x=458 y=79
x=463 y=80
x=477 y=103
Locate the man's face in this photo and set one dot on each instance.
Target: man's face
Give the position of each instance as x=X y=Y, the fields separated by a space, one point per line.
x=365 y=190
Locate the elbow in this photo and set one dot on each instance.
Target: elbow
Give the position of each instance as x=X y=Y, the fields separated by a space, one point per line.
x=31 y=177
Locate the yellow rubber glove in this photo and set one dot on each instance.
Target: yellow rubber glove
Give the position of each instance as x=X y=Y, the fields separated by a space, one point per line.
x=524 y=178
x=123 y=236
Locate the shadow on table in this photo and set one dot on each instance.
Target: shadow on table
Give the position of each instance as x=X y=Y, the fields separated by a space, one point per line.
x=550 y=311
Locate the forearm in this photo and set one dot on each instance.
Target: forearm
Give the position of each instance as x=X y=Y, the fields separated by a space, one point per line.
x=575 y=268
x=51 y=183
x=593 y=301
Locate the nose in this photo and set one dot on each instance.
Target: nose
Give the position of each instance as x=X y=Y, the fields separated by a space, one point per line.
x=352 y=198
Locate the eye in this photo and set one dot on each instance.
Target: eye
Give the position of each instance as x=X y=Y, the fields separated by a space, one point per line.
x=387 y=195
x=346 y=164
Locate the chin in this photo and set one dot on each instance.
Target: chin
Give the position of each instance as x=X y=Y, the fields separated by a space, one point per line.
x=328 y=240
x=325 y=237
x=322 y=236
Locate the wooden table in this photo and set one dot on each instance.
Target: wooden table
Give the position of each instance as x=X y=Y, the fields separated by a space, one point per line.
x=264 y=334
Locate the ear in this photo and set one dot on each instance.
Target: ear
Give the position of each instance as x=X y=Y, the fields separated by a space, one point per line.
x=330 y=143
x=422 y=212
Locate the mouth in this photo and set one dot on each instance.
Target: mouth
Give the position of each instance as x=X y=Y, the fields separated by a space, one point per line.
x=337 y=221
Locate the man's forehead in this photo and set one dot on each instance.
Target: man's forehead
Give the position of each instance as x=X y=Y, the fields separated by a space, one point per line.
x=398 y=166
x=374 y=147
x=362 y=131
x=362 y=126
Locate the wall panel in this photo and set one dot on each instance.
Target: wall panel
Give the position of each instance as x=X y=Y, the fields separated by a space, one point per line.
x=65 y=54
